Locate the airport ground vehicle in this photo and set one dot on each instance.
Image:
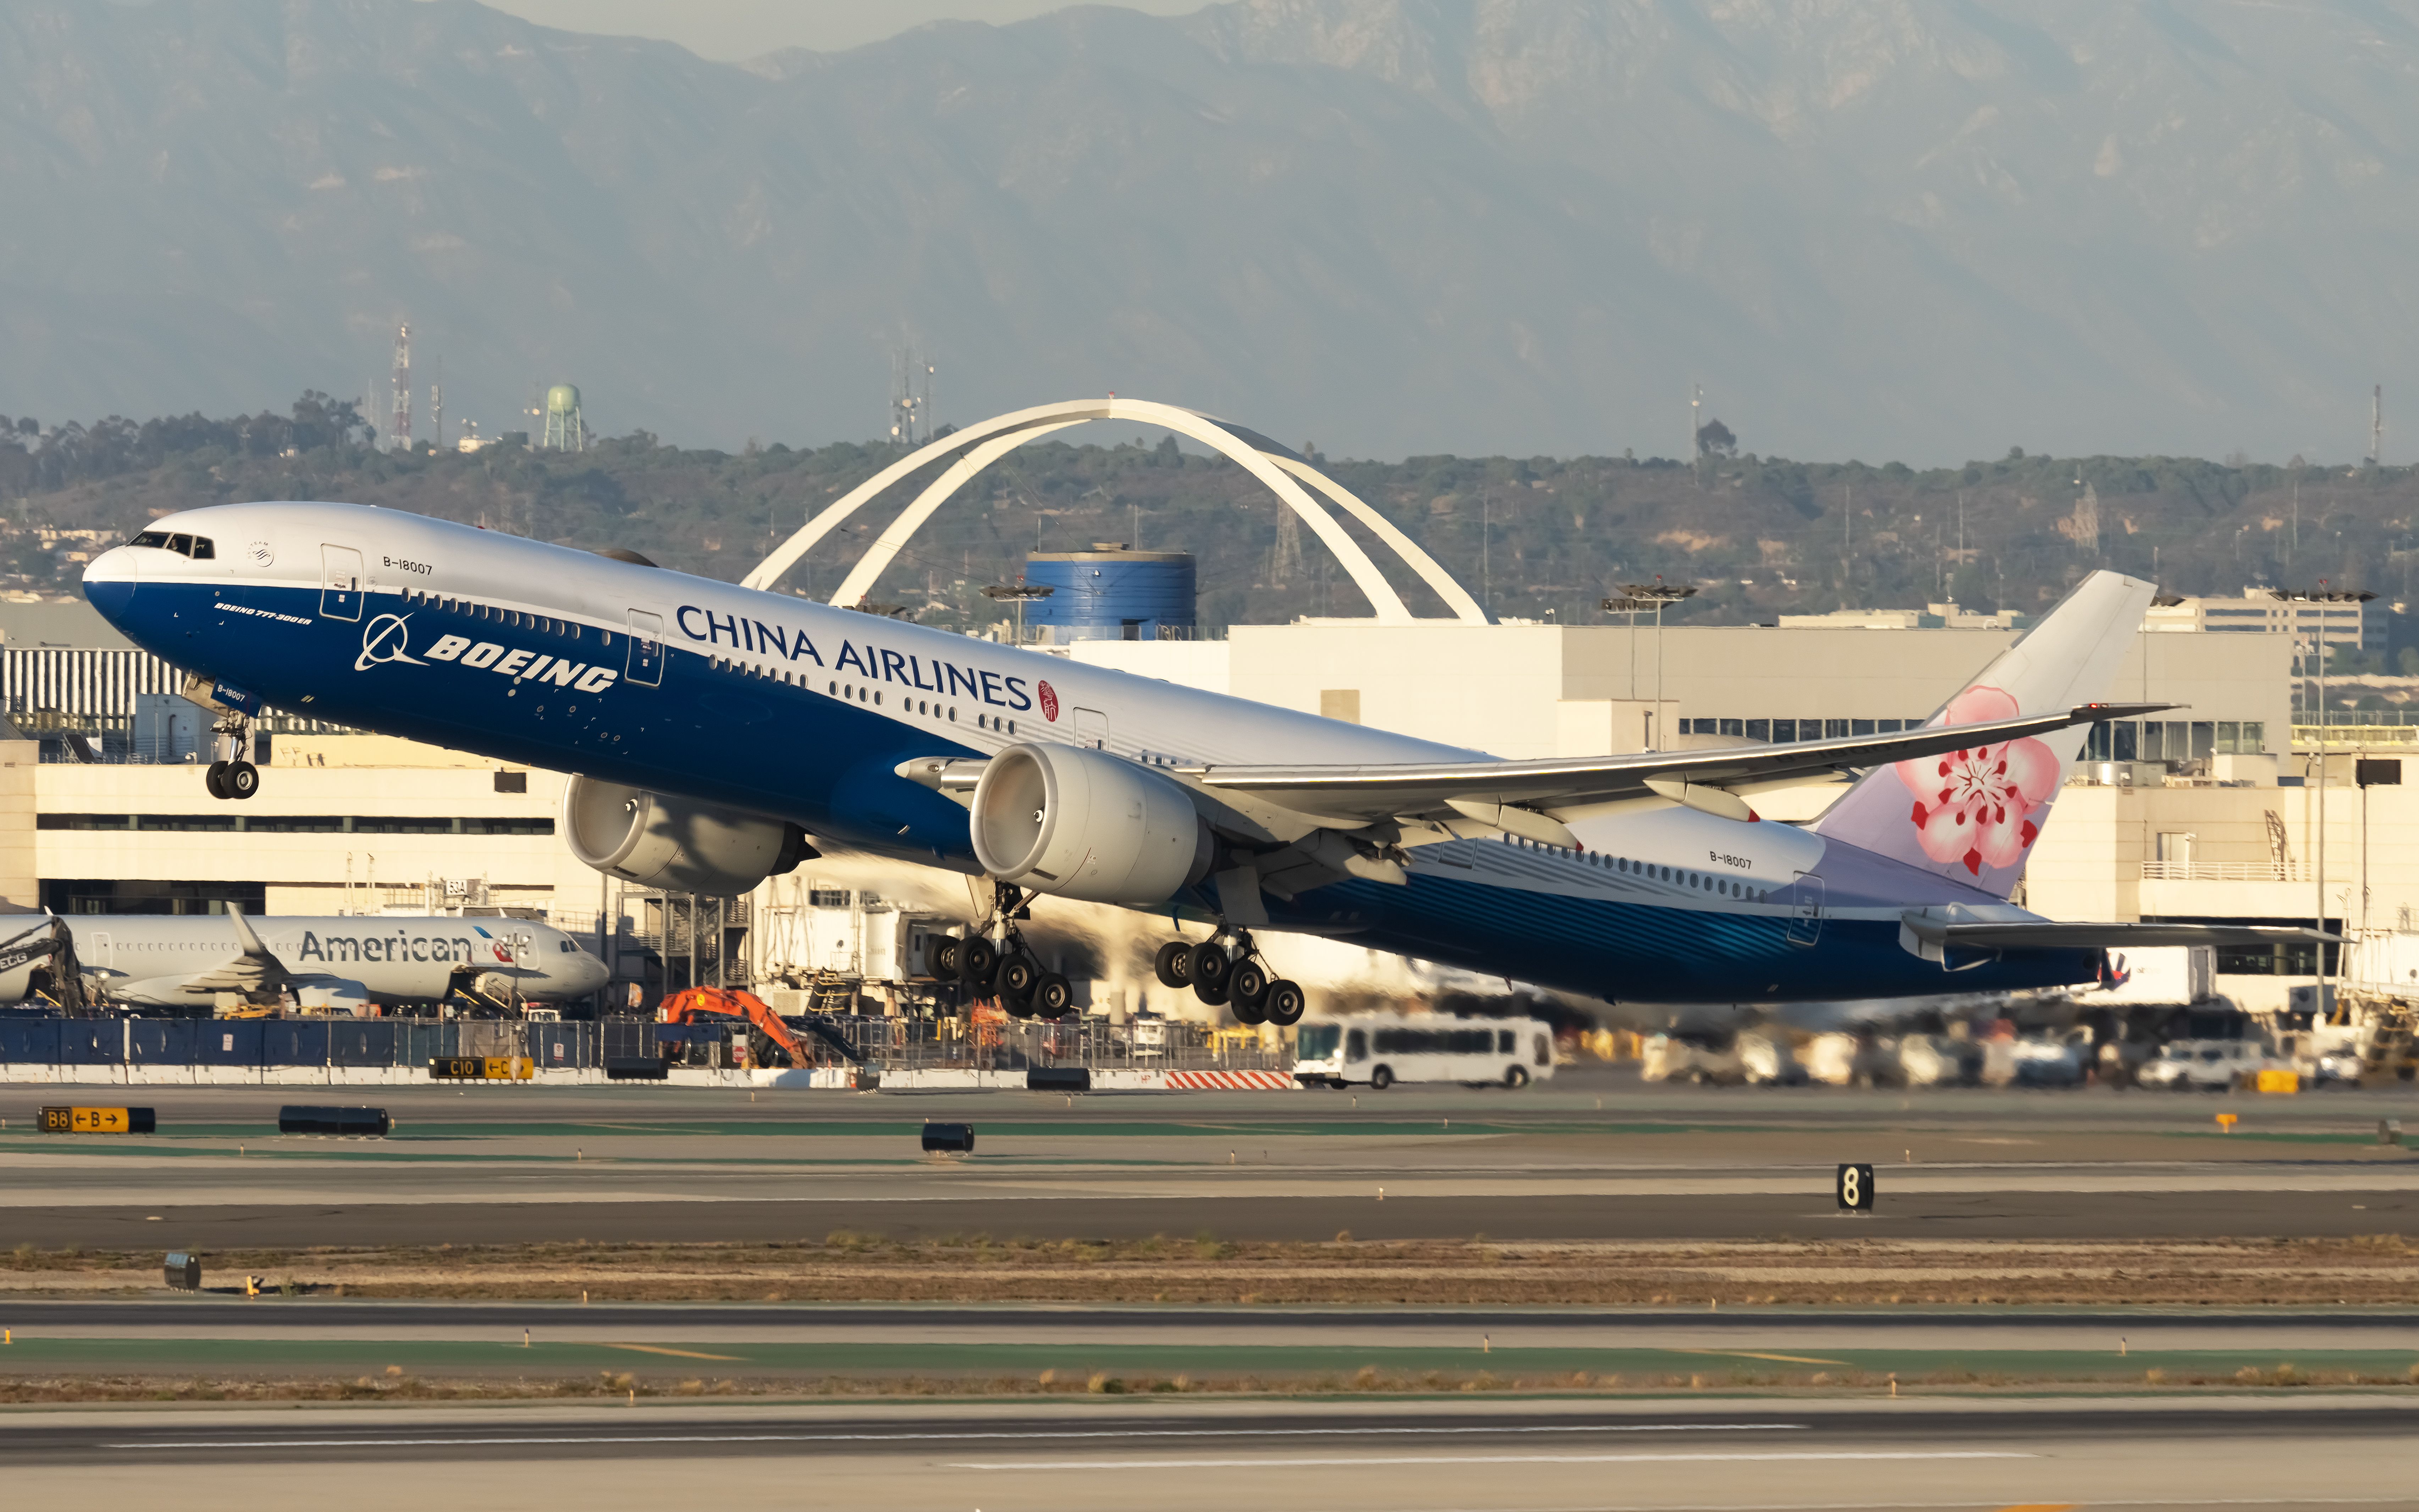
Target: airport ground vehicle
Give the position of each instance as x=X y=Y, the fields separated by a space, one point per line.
x=2204 y=1065
x=1379 y=1051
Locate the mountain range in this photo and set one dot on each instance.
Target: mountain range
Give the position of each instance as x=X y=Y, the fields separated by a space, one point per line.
x=1918 y=229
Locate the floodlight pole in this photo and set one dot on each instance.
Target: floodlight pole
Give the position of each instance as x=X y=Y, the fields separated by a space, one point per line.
x=1017 y=596
x=1645 y=595
x=2323 y=595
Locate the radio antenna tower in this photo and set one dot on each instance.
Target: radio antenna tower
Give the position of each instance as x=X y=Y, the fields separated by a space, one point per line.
x=2375 y=424
x=437 y=406
x=911 y=398
x=399 y=431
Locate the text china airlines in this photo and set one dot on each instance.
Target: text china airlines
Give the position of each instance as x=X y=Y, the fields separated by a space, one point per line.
x=872 y=663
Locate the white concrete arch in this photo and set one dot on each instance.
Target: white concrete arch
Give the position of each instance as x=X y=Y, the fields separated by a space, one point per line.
x=978 y=447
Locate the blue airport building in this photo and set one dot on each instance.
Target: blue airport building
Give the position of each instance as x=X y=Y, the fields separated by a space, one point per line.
x=1111 y=592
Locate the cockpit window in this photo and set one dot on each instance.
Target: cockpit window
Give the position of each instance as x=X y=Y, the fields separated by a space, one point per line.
x=196 y=547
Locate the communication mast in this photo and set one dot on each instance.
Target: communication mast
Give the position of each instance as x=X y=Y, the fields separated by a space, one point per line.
x=399 y=430
x=436 y=407
x=911 y=398
x=2375 y=424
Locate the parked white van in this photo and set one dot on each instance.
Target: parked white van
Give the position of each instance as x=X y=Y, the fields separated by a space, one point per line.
x=1379 y=1050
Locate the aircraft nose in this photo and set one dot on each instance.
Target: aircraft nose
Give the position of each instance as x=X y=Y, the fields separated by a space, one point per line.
x=109 y=584
x=588 y=975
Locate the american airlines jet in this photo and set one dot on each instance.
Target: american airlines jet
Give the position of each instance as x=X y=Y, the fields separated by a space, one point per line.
x=198 y=963
x=714 y=728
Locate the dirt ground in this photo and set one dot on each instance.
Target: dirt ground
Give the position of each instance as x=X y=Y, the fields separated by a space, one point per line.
x=846 y=1267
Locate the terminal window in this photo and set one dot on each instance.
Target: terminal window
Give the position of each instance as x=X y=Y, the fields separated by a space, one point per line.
x=69 y=895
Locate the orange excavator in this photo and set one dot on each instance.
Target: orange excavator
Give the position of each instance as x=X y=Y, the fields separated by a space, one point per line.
x=691 y=1004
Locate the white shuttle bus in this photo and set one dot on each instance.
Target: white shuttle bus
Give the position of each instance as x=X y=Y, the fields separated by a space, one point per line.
x=1379 y=1051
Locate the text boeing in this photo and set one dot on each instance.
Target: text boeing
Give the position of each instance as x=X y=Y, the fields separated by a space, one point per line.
x=523 y=666
x=873 y=663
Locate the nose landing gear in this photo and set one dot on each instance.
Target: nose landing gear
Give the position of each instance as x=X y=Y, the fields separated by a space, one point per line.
x=230 y=776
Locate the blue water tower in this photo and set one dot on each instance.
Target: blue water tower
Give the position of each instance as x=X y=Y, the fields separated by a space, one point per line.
x=1113 y=592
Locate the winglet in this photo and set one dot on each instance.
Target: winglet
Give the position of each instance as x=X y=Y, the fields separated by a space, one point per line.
x=244 y=935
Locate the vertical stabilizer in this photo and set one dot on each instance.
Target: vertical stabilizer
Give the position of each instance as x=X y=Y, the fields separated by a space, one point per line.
x=1973 y=815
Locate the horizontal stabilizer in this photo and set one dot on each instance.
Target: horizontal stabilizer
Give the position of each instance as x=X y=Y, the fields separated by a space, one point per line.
x=1935 y=939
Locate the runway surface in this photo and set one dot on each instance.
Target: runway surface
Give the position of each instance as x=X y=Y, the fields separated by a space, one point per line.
x=364 y=1221
x=1593 y=1158
x=1082 y=1454
x=532 y=1349
x=219 y=1317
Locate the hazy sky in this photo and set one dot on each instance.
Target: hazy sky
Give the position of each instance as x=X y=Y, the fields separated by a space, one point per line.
x=744 y=28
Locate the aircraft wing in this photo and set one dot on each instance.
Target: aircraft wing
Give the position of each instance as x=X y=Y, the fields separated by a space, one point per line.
x=1534 y=798
x=254 y=970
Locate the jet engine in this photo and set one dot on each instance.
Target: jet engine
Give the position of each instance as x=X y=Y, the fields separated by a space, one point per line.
x=678 y=844
x=1083 y=823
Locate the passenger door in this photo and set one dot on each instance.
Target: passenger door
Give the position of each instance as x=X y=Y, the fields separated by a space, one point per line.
x=646 y=666
x=1092 y=729
x=340 y=583
x=1805 y=920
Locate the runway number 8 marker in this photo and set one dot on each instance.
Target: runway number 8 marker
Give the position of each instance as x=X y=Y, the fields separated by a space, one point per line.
x=1856 y=1189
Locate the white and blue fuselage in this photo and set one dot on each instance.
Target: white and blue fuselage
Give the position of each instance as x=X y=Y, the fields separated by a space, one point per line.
x=560 y=658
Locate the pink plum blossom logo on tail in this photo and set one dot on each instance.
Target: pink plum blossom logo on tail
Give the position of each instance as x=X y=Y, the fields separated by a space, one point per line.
x=1975 y=806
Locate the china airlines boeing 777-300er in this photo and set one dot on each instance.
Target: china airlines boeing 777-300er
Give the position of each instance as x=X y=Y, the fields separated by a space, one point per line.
x=713 y=729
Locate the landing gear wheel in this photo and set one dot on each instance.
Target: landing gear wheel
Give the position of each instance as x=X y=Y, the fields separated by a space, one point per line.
x=242 y=779
x=1174 y=964
x=1211 y=965
x=1515 y=1077
x=1283 y=1003
x=1017 y=1006
x=1052 y=997
x=216 y=779
x=1212 y=994
x=1247 y=1013
x=945 y=957
x=977 y=958
x=1016 y=977
x=1381 y=1078
x=1248 y=983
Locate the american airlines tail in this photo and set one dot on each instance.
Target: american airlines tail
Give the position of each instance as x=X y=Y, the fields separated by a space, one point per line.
x=1973 y=815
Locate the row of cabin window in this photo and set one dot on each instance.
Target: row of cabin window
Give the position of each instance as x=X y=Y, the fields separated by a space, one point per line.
x=1701 y=881
x=196 y=547
x=1785 y=732
x=510 y=618
x=858 y=694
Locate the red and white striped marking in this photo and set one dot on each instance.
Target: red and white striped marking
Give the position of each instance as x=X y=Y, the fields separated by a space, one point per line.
x=1232 y=1081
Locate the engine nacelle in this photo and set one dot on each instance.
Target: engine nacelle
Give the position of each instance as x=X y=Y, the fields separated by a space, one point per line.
x=678 y=844
x=1080 y=823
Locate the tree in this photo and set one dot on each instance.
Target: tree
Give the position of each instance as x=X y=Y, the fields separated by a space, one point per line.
x=1713 y=438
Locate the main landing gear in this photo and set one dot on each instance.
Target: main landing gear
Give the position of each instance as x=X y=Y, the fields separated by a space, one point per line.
x=1013 y=974
x=230 y=776
x=1236 y=977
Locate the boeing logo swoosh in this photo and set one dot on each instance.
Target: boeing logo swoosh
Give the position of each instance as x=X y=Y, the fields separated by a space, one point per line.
x=384 y=639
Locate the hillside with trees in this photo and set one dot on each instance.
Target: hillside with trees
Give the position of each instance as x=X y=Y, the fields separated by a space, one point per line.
x=1535 y=537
